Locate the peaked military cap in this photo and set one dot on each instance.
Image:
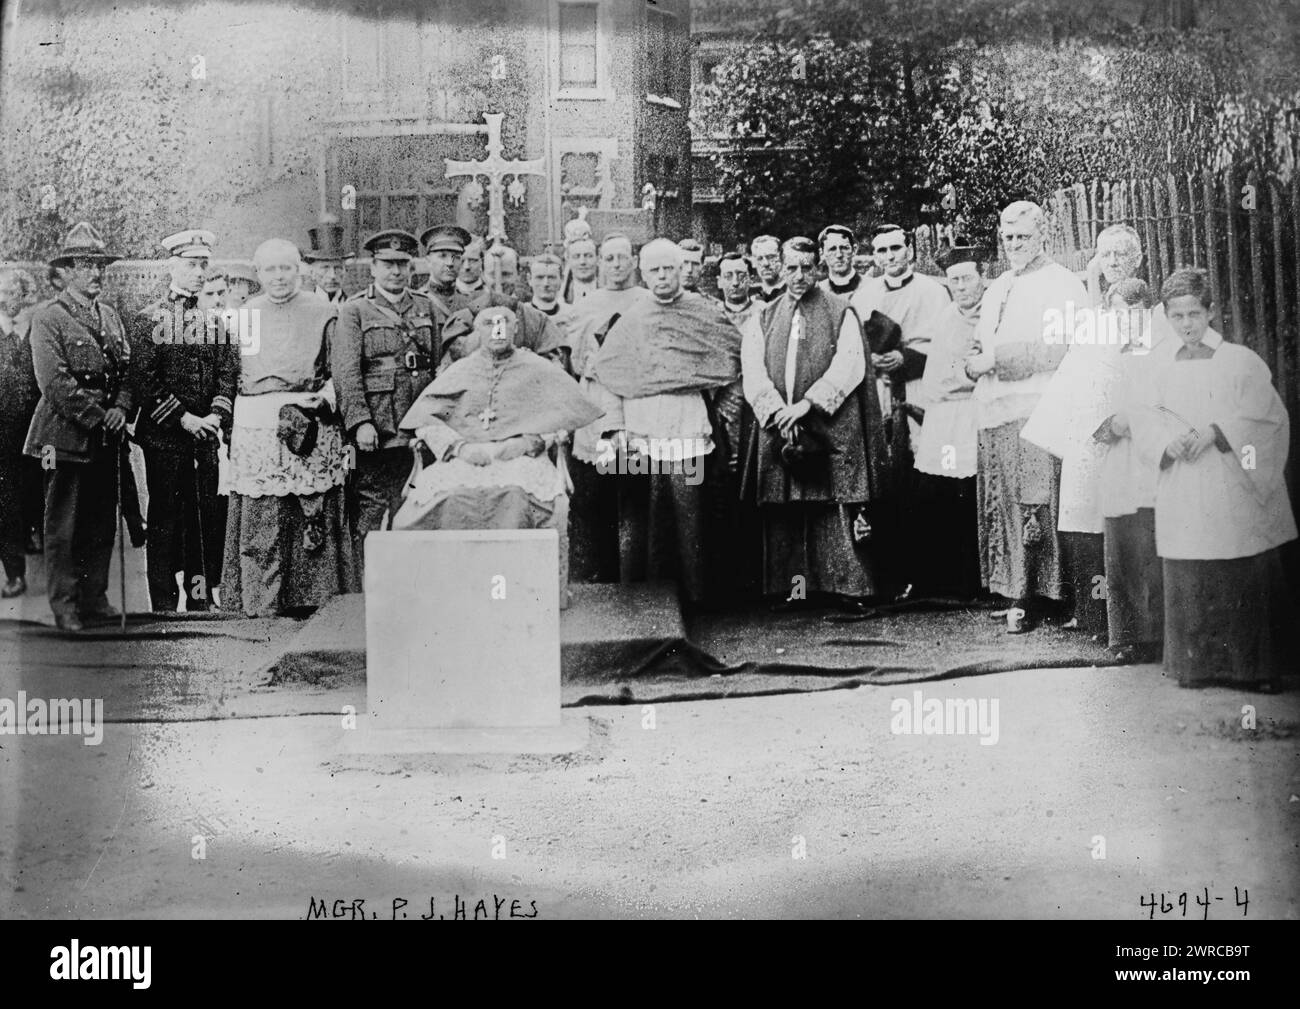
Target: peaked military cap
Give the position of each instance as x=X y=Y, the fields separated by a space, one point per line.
x=393 y=244
x=445 y=238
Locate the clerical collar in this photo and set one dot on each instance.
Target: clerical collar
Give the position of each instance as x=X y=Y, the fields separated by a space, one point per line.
x=895 y=284
x=849 y=285
x=392 y=298
x=774 y=287
x=553 y=310
x=736 y=311
x=669 y=301
x=464 y=288
x=282 y=301
x=1037 y=263
x=174 y=293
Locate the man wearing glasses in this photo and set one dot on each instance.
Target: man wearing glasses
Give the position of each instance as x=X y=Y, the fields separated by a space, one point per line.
x=765 y=250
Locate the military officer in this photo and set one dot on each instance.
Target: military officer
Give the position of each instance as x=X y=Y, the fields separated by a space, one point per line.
x=184 y=368
x=383 y=354
x=455 y=310
x=80 y=354
x=327 y=258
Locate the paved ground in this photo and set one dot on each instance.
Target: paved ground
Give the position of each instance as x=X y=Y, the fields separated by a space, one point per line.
x=804 y=805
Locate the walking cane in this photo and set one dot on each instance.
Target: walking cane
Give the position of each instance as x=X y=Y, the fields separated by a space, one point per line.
x=121 y=533
x=198 y=519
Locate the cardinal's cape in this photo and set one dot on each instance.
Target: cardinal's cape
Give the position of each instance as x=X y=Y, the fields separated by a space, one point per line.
x=687 y=345
x=521 y=394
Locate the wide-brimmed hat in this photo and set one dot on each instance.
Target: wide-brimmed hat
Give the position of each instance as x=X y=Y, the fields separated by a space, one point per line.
x=83 y=242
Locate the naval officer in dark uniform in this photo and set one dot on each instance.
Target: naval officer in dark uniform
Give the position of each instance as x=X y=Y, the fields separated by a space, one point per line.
x=184 y=368
x=80 y=354
x=383 y=354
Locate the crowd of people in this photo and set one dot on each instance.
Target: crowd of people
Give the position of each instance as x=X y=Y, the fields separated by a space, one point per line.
x=832 y=428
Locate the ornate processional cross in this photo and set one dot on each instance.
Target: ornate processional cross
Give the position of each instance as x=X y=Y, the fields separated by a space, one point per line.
x=495 y=168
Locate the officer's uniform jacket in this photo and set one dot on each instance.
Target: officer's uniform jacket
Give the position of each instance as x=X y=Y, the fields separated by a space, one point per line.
x=178 y=367
x=80 y=356
x=382 y=356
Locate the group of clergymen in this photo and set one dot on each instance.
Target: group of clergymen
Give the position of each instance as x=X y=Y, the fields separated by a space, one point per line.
x=816 y=435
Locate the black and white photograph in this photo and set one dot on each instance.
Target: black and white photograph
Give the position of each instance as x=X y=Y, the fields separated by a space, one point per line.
x=651 y=459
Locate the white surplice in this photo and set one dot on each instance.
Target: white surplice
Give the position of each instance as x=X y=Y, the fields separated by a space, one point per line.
x=1226 y=504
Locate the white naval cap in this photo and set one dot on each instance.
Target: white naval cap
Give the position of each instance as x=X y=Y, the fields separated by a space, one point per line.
x=192 y=243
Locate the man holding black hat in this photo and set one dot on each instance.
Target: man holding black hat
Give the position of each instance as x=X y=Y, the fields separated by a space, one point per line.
x=327 y=257
x=383 y=354
x=80 y=354
x=809 y=382
x=184 y=370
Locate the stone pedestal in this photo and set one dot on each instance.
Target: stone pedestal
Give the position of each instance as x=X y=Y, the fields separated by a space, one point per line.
x=463 y=644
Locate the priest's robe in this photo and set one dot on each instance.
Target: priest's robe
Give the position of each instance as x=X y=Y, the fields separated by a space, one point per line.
x=919 y=305
x=1229 y=617
x=650 y=376
x=946 y=460
x=594 y=506
x=812 y=349
x=1080 y=395
x=1135 y=603
x=1020 y=554
x=288 y=542
x=480 y=399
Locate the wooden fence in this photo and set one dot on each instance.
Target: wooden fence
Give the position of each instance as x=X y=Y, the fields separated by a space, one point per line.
x=1237 y=225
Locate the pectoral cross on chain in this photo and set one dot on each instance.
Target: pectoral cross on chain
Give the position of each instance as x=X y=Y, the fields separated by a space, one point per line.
x=487 y=416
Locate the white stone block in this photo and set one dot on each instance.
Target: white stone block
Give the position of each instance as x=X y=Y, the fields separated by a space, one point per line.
x=463 y=636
